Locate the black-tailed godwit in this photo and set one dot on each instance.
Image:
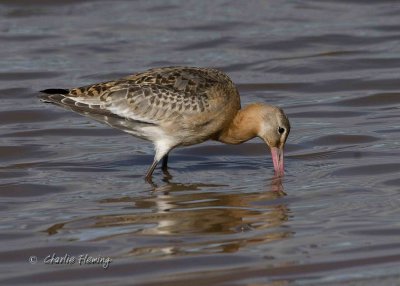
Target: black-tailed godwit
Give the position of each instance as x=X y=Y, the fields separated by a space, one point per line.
x=178 y=106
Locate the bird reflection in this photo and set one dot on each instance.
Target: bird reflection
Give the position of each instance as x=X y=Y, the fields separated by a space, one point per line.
x=190 y=210
x=183 y=211
x=204 y=218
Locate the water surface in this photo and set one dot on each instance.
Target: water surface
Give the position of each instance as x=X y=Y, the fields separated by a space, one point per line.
x=71 y=186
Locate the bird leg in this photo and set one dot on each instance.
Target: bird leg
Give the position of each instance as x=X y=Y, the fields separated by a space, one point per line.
x=153 y=166
x=150 y=171
x=162 y=150
x=164 y=168
x=164 y=165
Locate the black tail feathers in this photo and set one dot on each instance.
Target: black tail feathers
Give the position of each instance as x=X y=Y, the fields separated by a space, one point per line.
x=55 y=91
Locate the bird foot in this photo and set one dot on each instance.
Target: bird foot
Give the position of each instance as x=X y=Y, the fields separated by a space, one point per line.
x=167 y=175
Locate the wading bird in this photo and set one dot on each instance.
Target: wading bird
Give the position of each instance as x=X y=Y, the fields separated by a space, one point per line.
x=178 y=106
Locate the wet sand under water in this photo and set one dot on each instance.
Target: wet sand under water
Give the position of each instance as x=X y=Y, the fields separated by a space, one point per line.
x=71 y=186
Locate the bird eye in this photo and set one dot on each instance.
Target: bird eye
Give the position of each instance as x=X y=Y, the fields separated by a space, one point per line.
x=281 y=130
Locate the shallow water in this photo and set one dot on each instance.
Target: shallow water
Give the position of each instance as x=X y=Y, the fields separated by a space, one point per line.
x=71 y=186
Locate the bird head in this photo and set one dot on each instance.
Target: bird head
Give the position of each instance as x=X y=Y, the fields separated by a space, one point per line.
x=273 y=129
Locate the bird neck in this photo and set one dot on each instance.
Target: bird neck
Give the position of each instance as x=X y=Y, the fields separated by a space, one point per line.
x=242 y=128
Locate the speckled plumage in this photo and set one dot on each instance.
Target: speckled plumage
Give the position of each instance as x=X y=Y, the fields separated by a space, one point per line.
x=162 y=93
x=170 y=106
x=161 y=96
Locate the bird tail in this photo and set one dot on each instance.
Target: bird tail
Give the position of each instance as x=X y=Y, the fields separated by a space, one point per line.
x=55 y=91
x=60 y=97
x=52 y=95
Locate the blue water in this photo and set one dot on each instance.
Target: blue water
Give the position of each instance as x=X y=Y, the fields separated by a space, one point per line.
x=71 y=186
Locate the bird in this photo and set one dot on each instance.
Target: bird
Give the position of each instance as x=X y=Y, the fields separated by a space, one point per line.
x=178 y=106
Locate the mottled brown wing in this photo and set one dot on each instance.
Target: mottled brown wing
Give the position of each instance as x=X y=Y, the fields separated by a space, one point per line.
x=158 y=94
x=182 y=78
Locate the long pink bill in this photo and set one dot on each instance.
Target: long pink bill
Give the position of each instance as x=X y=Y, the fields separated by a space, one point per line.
x=277 y=159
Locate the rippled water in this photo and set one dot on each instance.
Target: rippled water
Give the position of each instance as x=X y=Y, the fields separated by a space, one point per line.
x=71 y=186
